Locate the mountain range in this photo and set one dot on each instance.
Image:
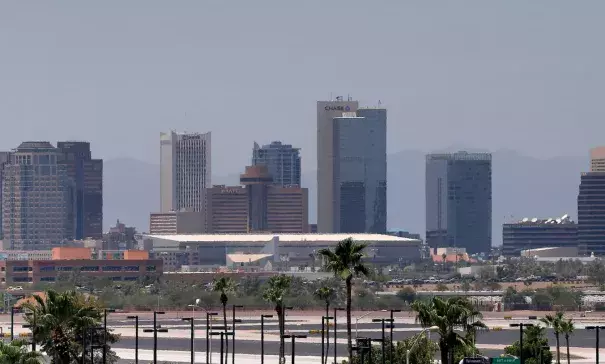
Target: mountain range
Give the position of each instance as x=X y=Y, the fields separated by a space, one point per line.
x=523 y=186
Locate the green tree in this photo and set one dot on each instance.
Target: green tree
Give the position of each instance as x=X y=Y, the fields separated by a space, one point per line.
x=567 y=328
x=224 y=285
x=60 y=320
x=346 y=262
x=407 y=295
x=16 y=352
x=447 y=316
x=275 y=292
x=535 y=346
x=326 y=294
x=555 y=322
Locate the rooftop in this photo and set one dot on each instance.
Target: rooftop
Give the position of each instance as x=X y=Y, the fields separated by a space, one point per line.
x=34 y=145
x=247 y=258
x=184 y=238
x=565 y=219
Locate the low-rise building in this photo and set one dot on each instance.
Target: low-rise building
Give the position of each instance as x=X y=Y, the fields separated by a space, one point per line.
x=177 y=222
x=47 y=271
x=534 y=233
x=26 y=254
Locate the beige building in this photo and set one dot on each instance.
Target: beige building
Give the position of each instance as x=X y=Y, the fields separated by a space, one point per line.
x=185 y=170
x=288 y=210
x=328 y=215
x=597 y=159
x=176 y=222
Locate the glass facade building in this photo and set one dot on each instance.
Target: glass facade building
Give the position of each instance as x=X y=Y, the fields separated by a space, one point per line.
x=459 y=201
x=87 y=175
x=282 y=161
x=38 y=198
x=591 y=213
x=360 y=171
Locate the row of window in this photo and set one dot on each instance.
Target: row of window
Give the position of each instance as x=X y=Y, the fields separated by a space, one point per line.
x=106 y=268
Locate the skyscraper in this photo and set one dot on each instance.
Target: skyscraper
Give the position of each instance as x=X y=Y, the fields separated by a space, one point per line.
x=328 y=202
x=87 y=176
x=4 y=158
x=597 y=159
x=38 y=198
x=459 y=201
x=185 y=170
x=591 y=215
x=282 y=161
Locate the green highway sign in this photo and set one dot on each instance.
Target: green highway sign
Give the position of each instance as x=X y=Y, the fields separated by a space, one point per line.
x=507 y=360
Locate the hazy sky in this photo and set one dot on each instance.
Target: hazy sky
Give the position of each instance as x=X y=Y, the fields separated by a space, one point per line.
x=522 y=75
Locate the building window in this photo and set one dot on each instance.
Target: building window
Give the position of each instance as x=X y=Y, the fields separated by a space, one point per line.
x=132 y=268
x=49 y=268
x=151 y=268
x=90 y=269
x=47 y=279
x=64 y=269
x=21 y=269
x=111 y=268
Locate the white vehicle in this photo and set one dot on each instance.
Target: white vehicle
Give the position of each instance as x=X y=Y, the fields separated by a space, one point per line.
x=18 y=288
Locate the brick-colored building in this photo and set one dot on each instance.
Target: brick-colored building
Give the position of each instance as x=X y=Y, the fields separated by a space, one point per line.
x=36 y=271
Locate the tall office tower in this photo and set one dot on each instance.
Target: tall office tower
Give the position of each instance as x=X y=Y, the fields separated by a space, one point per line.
x=184 y=170
x=272 y=208
x=38 y=198
x=226 y=210
x=459 y=201
x=597 y=159
x=257 y=180
x=282 y=161
x=328 y=199
x=87 y=175
x=591 y=214
x=4 y=158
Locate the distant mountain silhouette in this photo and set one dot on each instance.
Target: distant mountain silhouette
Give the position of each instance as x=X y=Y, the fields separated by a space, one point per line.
x=522 y=187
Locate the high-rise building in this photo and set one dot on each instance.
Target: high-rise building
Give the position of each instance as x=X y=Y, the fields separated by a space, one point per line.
x=591 y=214
x=282 y=161
x=38 y=198
x=185 y=170
x=4 y=158
x=177 y=222
x=459 y=201
x=226 y=210
x=87 y=175
x=256 y=206
x=328 y=199
x=597 y=159
x=351 y=175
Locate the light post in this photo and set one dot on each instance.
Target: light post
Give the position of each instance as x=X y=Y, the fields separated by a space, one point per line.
x=335 y=331
x=155 y=330
x=32 y=327
x=407 y=352
x=208 y=344
x=294 y=337
x=136 y=337
x=12 y=322
x=325 y=333
x=262 y=337
x=380 y=341
x=383 y=339
x=357 y=321
x=521 y=326
x=191 y=321
x=391 y=334
x=597 y=329
x=224 y=336
x=234 y=321
x=105 y=312
x=360 y=348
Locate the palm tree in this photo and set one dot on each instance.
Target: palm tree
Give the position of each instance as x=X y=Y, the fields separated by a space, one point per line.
x=61 y=319
x=567 y=328
x=224 y=285
x=275 y=292
x=446 y=316
x=326 y=294
x=555 y=321
x=346 y=262
x=16 y=352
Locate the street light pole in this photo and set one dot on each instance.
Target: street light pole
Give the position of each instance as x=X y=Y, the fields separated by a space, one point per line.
x=155 y=331
x=136 y=337
x=233 y=337
x=224 y=335
x=262 y=337
x=191 y=321
x=105 y=311
x=383 y=339
x=294 y=337
x=12 y=322
x=391 y=333
x=208 y=344
x=407 y=352
x=597 y=329
x=521 y=325
x=335 y=331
